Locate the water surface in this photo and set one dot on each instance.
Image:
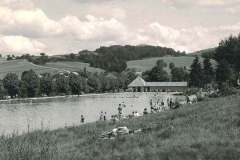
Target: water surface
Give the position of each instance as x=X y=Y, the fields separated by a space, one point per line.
x=63 y=112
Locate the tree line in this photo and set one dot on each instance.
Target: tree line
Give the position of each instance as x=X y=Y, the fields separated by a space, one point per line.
x=111 y=59
x=33 y=85
x=203 y=75
x=226 y=74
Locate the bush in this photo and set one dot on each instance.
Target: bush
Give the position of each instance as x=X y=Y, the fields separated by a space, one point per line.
x=226 y=90
x=191 y=91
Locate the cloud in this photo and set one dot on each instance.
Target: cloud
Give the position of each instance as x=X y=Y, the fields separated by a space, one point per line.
x=18 y=4
x=20 y=44
x=25 y=27
x=211 y=2
x=183 y=39
x=31 y=23
x=201 y=3
x=93 y=28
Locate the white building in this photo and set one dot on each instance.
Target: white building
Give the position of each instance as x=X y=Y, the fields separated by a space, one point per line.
x=140 y=85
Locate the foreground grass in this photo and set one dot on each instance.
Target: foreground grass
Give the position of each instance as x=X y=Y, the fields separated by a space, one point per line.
x=207 y=130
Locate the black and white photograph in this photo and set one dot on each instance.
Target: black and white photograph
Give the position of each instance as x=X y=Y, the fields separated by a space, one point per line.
x=119 y=79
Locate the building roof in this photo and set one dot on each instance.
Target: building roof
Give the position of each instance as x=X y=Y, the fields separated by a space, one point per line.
x=139 y=82
x=166 y=84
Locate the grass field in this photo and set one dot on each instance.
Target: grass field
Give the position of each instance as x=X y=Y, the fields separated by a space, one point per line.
x=208 y=130
x=19 y=66
x=73 y=66
x=149 y=63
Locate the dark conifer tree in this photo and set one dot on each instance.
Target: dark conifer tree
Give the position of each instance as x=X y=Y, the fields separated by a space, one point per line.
x=223 y=72
x=208 y=71
x=196 y=76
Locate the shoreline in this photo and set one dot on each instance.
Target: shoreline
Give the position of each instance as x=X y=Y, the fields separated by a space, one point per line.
x=45 y=99
x=31 y=100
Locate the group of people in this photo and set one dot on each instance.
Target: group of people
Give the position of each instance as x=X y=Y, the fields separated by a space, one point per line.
x=103 y=116
x=157 y=106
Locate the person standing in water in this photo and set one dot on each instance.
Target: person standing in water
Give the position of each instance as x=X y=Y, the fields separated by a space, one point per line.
x=82 y=119
x=119 y=111
x=101 y=116
x=145 y=111
x=105 y=116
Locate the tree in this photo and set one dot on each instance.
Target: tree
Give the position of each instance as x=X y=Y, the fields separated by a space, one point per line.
x=224 y=72
x=32 y=82
x=157 y=73
x=208 y=71
x=196 y=76
x=171 y=65
x=94 y=83
x=43 y=59
x=76 y=83
x=46 y=84
x=11 y=84
x=23 y=92
x=229 y=50
x=9 y=58
x=179 y=74
x=3 y=92
x=62 y=84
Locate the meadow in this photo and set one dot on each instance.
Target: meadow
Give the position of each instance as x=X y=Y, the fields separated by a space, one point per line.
x=19 y=66
x=207 y=130
x=149 y=63
x=73 y=66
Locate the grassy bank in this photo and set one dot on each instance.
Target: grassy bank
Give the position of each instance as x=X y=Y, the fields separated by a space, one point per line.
x=207 y=130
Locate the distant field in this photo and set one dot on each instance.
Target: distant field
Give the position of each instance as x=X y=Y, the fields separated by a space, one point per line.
x=73 y=66
x=149 y=63
x=19 y=66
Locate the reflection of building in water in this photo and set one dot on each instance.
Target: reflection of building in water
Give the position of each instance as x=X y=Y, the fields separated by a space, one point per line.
x=139 y=85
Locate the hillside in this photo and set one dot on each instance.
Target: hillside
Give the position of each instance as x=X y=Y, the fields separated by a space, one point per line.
x=207 y=130
x=149 y=63
x=19 y=66
x=114 y=58
x=205 y=52
x=73 y=66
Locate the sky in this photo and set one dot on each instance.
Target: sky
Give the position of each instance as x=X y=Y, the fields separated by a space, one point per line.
x=65 y=26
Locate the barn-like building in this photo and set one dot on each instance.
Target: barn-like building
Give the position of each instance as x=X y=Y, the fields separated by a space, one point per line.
x=140 y=85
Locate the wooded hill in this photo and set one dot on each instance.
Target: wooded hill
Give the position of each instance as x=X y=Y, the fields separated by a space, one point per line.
x=112 y=58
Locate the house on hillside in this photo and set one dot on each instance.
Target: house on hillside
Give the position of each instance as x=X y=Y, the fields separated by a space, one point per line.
x=140 y=85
